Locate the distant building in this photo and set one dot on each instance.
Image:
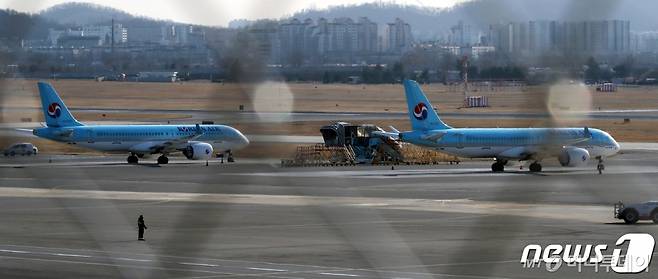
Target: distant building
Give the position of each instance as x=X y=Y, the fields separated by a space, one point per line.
x=337 y=41
x=366 y=35
x=342 y=35
x=104 y=32
x=79 y=41
x=605 y=37
x=471 y=51
x=239 y=23
x=148 y=34
x=187 y=35
x=291 y=36
x=88 y=34
x=460 y=35
x=644 y=42
x=399 y=36
x=266 y=44
x=477 y=51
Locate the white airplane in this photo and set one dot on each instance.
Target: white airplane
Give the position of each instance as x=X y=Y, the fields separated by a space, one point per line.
x=572 y=147
x=196 y=142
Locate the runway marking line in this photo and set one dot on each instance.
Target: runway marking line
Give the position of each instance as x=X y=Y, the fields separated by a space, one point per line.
x=226 y=260
x=118 y=265
x=14 y=251
x=455 y=264
x=339 y=274
x=68 y=255
x=267 y=269
x=199 y=264
x=132 y=260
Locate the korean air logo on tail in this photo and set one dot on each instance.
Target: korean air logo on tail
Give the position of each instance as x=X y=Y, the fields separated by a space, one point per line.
x=54 y=110
x=420 y=111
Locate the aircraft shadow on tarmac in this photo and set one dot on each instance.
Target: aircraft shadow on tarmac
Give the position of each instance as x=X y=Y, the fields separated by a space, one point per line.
x=636 y=224
x=146 y=165
x=440 y=173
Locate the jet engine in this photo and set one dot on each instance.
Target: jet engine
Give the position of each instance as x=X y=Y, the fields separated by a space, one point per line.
x=198 y=151
x=573 y=157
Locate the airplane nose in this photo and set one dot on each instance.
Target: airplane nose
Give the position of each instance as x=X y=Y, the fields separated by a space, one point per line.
x=242 y=140
x=245 y=140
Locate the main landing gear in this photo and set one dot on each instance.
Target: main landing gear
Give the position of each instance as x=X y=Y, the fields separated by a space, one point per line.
x=163 y=160
x=132 y=159
x=498 y=166
x=535 y=167
x=600 y=167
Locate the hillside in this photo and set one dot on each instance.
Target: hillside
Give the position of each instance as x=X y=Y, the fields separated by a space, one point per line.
x=88 y=14
x=83 y=14
x=431 y=23
x=16 y=26
x=427 y=23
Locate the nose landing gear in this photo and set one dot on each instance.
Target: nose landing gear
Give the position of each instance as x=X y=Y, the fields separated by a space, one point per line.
x=226 y=154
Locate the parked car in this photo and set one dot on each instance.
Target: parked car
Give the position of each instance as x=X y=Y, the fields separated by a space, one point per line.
x=640 y=211
x=23 y=149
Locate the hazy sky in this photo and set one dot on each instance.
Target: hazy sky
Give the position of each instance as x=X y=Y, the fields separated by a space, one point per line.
x=211 y=12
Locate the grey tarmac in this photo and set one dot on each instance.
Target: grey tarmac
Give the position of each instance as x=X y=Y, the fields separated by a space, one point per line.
x=76 y=218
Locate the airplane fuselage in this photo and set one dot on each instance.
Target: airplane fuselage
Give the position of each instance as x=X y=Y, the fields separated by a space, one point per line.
x=128 y=138
x=502 y=142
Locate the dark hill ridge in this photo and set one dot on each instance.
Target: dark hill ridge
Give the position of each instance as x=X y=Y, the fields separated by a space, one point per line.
x=89 y=14
x=428 y=23
x=16 y=26
x=83 y=14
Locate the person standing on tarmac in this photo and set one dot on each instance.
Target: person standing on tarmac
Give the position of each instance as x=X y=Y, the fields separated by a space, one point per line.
x=141 y=226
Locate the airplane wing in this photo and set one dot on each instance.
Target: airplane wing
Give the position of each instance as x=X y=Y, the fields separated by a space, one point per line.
x=152 y=147
x=64 y=133
x=435 y=136
x=587 y=135
x=520 y=153
x=560 y=141
x=384 y=134
x=24 y=132
x=394 y=135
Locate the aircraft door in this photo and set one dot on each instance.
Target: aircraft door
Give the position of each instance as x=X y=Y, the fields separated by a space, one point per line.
x=460 y=140
x=90 y=136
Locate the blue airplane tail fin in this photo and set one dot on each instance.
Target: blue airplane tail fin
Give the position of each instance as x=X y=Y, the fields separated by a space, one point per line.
x=421 y=112
x=55 y=111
